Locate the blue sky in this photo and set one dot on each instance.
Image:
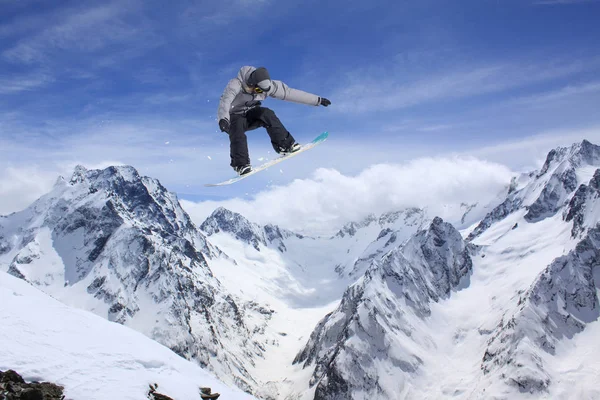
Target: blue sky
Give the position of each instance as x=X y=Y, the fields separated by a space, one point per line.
x=138 y=82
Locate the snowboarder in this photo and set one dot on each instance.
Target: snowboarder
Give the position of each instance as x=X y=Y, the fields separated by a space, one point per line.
x=240 y=111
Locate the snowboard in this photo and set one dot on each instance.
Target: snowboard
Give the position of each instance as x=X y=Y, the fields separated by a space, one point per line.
x=318 y=140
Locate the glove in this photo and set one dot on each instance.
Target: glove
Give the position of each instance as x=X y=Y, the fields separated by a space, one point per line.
x=324 y=102
x=224 y=125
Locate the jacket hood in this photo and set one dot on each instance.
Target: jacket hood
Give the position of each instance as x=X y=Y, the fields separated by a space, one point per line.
x=244 y=73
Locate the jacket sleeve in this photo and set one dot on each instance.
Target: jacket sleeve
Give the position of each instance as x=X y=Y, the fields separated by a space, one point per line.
x=233 y=88
x=282 y=91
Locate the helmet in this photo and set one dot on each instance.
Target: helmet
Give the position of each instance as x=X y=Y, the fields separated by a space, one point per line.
x=260 y=80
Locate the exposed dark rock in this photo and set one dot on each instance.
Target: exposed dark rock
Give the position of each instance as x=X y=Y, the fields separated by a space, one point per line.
x=154 y=395
x=553 y=196
x=4 y=246
x=584 y=198
x=508 y=206
x=384 y=233
x=14 y=387
x=14 y=271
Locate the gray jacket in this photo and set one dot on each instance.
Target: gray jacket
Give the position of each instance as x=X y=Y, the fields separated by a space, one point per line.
x=237 y=98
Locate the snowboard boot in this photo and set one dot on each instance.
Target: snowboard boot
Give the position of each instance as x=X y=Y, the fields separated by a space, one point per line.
x=243 y=169
x=288 y=150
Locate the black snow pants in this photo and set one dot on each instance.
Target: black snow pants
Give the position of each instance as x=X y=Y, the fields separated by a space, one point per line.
x=255 y=118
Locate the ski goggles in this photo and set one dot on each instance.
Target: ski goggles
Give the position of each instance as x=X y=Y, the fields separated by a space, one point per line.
x=258 y=89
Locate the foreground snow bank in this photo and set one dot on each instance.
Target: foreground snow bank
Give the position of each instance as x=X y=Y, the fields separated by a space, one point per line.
x=92 y=358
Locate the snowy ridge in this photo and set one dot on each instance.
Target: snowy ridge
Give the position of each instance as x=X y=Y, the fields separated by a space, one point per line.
x=372 y=334
x=369 y=239
x=352 y=248
x=544 y=194
x=224 y=220
x=120 y=245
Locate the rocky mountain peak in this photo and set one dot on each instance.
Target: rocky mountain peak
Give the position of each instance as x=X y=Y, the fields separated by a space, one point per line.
x=585 y=153
x=122 y=192
x=577 y=155
x=544 y=194
x=78 y=174
x=224 y=220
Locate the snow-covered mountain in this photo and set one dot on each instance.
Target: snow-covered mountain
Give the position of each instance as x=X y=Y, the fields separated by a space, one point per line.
x=397 y=306
x=363 y=347
x=559 y=304
x=563 y=299
x=120 y=245
x=508 y=318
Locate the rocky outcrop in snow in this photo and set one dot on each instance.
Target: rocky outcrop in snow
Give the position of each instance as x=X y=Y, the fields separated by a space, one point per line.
x=370 y=335
x=554 y=195
x=584 y=207
x=558 y=305
x=14 y=387
x=508 y=206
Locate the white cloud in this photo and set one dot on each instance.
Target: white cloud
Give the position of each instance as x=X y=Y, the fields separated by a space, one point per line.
x=329 y=199
x=20 y=187
x=21 y=83
x=565 y=93
x=74 y=29
x=386 y=90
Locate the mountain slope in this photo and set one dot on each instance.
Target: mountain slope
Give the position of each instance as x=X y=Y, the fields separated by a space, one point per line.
x=560 y=303
x=376 y=332
x=92 y=358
